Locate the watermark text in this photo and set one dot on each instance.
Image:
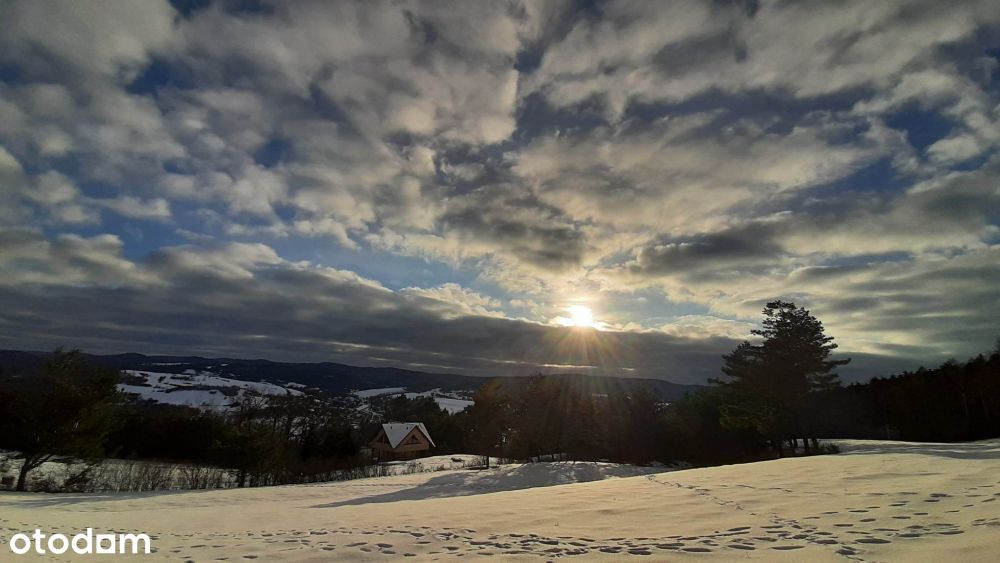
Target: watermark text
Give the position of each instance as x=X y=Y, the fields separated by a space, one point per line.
x=84 y=543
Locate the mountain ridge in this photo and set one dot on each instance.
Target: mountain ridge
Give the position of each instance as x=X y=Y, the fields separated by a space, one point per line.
x=336 y=378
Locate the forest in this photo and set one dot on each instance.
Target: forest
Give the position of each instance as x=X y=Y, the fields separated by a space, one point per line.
x=777 y=396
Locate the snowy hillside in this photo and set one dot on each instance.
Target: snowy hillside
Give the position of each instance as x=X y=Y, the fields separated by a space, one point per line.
x=876 y=502
x=196 y=389
x=451 y=402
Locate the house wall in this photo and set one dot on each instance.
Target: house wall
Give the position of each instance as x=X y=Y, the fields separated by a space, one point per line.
x=404 y=450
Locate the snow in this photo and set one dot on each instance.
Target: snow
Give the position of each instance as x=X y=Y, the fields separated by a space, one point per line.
x=453 y=405
x=439 y=462
x=208 y=379
x=446 y=401
x=396 y=431
x=185 y=397
x=877 y=501
x=367 y=393
x=172 y=388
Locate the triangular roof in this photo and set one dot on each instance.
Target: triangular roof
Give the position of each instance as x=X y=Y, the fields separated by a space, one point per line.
x=395 y=432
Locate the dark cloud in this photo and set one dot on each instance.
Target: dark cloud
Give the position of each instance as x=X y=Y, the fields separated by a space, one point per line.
x=751 y=247
x=700 y=51
x=240 y=300
x=530 y=230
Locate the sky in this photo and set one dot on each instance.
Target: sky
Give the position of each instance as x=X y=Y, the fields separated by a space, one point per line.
x=448 y=186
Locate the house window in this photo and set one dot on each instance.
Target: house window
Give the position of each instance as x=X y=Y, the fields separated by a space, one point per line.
x=414 y=440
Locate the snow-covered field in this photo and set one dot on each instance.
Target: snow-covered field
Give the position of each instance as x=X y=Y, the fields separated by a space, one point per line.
x=446 y=401
x=368 y=393
x=203 y=390
x=453 y=405
x=876 y=502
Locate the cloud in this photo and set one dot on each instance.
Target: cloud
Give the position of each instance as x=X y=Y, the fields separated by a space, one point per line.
x=883 y=272
x=706 y=326
x=135 y=208
x=751 y=247
x=452 y=300
x=640 y=175
x=57 y=200
x=638 y=52
x=499 y=218
x=218 y=300
x=715 y=154
x=69 y=260
x=113 y=41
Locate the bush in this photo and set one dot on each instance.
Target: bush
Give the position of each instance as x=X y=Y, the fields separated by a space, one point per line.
x=827 y=448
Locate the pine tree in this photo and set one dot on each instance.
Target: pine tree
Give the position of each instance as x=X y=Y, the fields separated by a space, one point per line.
x=488 y=420
x=795 y=344
x=768 y=382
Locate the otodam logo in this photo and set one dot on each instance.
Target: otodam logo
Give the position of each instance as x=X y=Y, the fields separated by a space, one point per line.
x=84 y=543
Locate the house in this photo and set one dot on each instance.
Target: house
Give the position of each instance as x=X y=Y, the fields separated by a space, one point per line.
x=401 y=440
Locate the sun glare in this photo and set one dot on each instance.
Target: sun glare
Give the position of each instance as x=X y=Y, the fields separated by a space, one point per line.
x=581 y=316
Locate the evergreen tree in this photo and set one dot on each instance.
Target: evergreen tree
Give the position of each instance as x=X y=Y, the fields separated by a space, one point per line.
x=768 y=382
x=487 y=421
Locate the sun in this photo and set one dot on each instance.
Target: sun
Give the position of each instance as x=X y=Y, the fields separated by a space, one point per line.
x=581 y=315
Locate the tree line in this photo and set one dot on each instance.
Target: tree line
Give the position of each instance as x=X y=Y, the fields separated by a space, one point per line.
x=777 y=396
x=956 y=401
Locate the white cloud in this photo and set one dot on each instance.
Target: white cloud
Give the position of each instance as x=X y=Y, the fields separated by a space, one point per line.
x=641 y=52
x=135 y=208
x=641 y=176
x=113 y=39
x=451 y=300
x=705 y=326
x=69 y=260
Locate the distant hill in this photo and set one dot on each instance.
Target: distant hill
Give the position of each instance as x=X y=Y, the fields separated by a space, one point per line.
x=336 y=379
